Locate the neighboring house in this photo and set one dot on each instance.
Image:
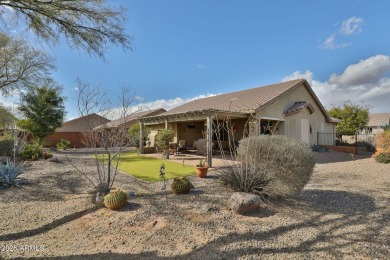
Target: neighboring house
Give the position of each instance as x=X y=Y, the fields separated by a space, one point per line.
x=127 y=121
x=73 y=130
x=289 y=108
x=377 y=123
x=131 y=119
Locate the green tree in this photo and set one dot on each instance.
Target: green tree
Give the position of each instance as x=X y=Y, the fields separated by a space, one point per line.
x=163 y=138
x=43 y=109
x=88 y=24
x=6 y=117
x=134 y=134
x=353 y=118
x=21 y=64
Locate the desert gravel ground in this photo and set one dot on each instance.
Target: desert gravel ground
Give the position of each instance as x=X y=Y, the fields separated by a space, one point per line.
x=343 y=213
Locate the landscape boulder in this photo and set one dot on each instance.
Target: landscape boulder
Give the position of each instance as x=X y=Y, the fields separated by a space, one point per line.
x=242 y=203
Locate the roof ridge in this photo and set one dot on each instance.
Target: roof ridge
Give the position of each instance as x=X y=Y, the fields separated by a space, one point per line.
x=245 y=100
x=248 y=89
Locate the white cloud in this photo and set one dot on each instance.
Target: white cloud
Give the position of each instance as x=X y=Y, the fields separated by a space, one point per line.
x=364 y=72
x=348 y=27
x=331 y=44
x=201 y=67
x=352 y=25
x=365 y=83
x=308 y=75
x=138 y=98
x=171 y=103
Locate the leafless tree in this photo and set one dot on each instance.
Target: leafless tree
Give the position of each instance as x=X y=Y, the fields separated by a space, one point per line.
x=21 y=64
x=107 y=143
x=88 y=24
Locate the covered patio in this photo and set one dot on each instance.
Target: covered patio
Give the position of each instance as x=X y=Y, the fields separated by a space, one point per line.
x=209 y=133
x=288 y=108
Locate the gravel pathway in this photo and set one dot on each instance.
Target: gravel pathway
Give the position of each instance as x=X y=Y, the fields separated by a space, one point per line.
x=343 y=213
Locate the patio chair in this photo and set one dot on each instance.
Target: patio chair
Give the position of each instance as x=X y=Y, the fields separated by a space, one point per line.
x=181 y=147
x=191 y=149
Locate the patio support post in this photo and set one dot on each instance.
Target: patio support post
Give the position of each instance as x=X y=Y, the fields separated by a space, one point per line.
x=141 y=137
x=209 y=141
x=166 y=124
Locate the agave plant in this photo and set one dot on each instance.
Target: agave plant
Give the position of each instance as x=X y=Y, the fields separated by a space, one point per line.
x=9 y=173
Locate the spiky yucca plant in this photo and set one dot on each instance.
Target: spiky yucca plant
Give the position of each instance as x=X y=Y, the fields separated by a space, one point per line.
x=9 y=173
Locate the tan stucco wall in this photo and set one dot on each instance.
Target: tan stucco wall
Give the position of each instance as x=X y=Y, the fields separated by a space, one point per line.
x=154 y=129
x=188 y=133
x=292 y=124
x=191 y=134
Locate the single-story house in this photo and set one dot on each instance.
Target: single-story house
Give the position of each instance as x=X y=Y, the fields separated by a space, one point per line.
x=73 y=130
x=377 y=123
x=289 y=108
x=131 y=119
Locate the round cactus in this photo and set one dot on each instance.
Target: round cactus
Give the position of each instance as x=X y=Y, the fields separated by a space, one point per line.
x=181 y=185
x=115 y=199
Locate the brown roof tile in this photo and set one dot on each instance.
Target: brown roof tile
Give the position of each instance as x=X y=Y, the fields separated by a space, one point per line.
x=248 y=100
x=379 y=119
x=132 y=117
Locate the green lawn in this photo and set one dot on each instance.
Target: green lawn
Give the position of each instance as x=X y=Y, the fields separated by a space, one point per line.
x=148 y=168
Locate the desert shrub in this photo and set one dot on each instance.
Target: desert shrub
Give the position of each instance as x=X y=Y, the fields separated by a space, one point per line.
x=134 y=134
x=47 y=154
x=63 y=144
x=383 y=158
x=32 y=151
x=163 y=138
x=383 y=140
x=6 y=147
x=287 y=163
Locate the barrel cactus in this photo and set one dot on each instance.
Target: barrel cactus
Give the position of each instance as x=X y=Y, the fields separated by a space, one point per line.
x=115 y=199
x=181 y=185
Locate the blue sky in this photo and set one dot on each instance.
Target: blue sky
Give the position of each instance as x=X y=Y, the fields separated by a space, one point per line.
x=189 y=49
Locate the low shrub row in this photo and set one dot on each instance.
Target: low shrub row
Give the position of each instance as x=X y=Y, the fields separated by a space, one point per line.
x=31 y=151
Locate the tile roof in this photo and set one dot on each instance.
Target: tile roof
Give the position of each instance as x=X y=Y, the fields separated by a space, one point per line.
x=298 y=106
x=83 y=123
x=379 y=119
x=132 y=117
x=90 y=117
x=244 y=101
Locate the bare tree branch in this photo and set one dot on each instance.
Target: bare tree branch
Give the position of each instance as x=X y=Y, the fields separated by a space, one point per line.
x=21 y=64
x=89 y=24
x=107 y=143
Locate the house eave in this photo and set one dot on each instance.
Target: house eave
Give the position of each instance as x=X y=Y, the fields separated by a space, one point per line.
x=194 y=115
x=333 y=120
